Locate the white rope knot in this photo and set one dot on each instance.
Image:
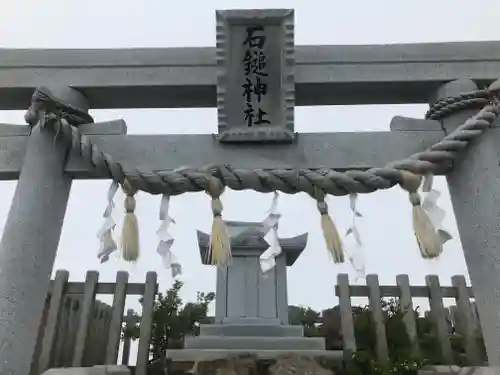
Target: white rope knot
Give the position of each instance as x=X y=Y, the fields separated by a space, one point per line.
x=322 y=207
x=215 y=187
x=128 y=189
x=129 y=204
x=415 y=199
x=330 y=233
x=216 y=207
x=130 y=231
x=215 y=190
x=220 y=245
x=410 y=181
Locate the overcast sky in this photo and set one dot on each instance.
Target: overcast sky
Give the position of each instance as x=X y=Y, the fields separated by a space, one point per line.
x=390 y=247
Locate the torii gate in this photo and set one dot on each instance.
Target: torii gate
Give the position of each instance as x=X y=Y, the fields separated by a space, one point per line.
x=187 y=77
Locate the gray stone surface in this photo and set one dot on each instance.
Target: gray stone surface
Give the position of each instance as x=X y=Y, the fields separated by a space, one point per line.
x=253 y=321
x=251 y=308
x=480 y=370
x=28 y=249
x=255 y=342
x=272 y=84
x=439 y=369
x=297 y=365
x=401 y=123
x=186 y=77
x=455 y=370
x=243 y=291
x=255 y=329
x=168 y=152
x=96 y=370
x=188 y=355
x=247 y=240
x=475 y=195
x=29 y=243
x=14 y=142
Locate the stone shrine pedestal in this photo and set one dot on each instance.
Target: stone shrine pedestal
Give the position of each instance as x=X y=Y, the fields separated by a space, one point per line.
x=251 y=308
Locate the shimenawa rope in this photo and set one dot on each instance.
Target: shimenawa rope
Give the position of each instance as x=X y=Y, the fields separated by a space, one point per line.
x=316 y=182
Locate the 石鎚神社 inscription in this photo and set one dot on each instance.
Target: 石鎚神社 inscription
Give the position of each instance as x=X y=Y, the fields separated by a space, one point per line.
x=255 y=85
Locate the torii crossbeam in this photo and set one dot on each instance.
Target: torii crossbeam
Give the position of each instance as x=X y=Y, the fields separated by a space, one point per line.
x=163 y=78
x=186 y=77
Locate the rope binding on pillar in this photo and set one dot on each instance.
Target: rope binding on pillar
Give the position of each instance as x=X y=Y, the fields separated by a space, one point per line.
x=318 y=183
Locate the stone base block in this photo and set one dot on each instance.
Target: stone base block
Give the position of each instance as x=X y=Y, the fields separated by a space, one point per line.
x=96 y=370
x=439 y=369
x=254 y=343
x=455 y=370
x=251 y=330
x=254 y=321
x=191 y=355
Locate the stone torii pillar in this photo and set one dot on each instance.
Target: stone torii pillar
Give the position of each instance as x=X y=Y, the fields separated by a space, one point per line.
x=475 y=195
x=474 y=185
x=31 y=236
x=251 y=308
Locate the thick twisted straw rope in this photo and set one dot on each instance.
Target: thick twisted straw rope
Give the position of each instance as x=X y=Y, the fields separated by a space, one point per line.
x=291 y=181
x=447 y=106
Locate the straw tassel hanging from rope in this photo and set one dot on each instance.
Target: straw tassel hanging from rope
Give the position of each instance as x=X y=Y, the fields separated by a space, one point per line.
x=130 y=230
x=330 y=233
x=220 y=244
x=428 y=239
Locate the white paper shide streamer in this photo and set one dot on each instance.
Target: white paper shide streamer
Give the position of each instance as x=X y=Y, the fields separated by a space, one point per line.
x=166 y=240
x=355 y=255
x=436 y=214
x=105 y=234
x=270 y=225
